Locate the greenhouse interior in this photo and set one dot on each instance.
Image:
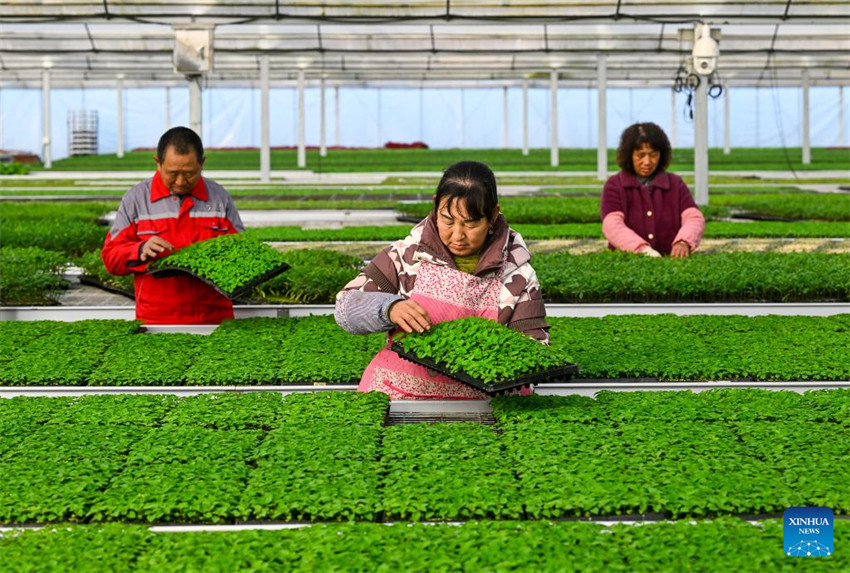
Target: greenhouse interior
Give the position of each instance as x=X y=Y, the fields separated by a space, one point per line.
x=424 y=286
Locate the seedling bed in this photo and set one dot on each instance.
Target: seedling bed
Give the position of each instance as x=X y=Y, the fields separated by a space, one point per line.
x=237 y=292
x=552 y=375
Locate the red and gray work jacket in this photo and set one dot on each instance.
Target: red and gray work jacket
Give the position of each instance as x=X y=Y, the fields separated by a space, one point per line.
x=149 y=209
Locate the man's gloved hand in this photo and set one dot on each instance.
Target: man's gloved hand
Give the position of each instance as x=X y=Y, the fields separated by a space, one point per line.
x=650 y=252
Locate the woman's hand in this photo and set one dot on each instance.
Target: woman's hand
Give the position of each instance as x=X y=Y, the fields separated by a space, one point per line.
x=409 y=316
x=681 y=250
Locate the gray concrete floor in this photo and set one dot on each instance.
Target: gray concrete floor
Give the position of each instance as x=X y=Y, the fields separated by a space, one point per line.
x=84 y=295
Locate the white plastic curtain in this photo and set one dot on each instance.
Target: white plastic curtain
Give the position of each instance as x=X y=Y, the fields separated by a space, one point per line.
x=442 y=118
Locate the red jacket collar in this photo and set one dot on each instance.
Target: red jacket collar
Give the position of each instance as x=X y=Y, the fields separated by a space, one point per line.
x=159 y=190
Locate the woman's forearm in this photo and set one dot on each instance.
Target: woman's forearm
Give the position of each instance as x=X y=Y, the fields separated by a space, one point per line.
x=692 y=229
x=359 y=312
x=619 y=235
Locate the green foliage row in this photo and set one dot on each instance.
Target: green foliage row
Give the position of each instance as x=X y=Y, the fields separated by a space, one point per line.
x=209 y=459
x=31 y=276
x=321 y=463
x=315 y=276
x=735 y=277
x=68 y=227
x=531 y=232
x=677 y=453
x=65 y=355
x=326 y=457
x=739 y=405
x=538 y=159
x=558 y=210
x=667 y=347
x=310 y=350
x=677 y=469
x=14 y=168
x=447 y=472
x=817 y=207
x=283 y=351
x=499 y=547
x=467 y=346
x=231 y=262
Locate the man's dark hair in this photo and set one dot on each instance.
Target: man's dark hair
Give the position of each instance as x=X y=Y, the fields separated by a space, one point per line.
x=183 y=140
x=474 y=183
x=635 y=136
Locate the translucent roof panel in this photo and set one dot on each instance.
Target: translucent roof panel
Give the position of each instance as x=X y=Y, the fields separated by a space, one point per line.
x=411 y=42
x=366 y=10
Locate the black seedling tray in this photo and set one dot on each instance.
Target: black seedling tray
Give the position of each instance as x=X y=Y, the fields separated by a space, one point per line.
x=237 y=292
x=84 y=280
x=552 y=375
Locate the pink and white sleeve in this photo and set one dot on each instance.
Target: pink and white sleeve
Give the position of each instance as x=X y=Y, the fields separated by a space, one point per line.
x=620 y=235
x=692 y=229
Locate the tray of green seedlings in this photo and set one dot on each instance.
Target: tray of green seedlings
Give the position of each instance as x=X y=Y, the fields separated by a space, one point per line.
x=485 y=355
x=231 y=264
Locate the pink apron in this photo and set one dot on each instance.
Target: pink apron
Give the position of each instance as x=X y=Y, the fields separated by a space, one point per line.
x=446 y=294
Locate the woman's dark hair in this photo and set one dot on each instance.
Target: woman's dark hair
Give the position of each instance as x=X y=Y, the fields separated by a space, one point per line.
x=472 y=182
x=183 y=140
x=636 y=135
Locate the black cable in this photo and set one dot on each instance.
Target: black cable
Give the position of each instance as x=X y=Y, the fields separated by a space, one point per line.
x=787 y=9
x=91 y=40
x=778 y=116
x=106 y=9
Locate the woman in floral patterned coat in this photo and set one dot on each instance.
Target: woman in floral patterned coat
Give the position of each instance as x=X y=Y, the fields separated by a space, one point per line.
x=462 y=260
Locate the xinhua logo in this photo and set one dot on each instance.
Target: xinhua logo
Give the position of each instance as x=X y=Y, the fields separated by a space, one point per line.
x=808 y=531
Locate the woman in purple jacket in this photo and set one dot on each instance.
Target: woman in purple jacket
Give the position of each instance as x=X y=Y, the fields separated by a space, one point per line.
x=645 y=209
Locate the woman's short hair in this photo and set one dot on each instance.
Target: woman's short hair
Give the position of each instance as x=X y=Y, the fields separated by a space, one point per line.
x=472 y=182
x=183 y=140
x=635 y=136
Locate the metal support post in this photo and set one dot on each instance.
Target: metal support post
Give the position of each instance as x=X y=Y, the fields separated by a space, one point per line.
x=807 y=148
x=525 y=117
x=553 y=118
x=302 y=145
x=602 y=125
x=46 y=159
x=120 y=121
x=195 y=105
x=323 y=144
x=727 y=134
x=265 y=128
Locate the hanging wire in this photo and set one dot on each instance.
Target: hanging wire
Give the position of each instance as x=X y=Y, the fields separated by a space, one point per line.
x=777 y=112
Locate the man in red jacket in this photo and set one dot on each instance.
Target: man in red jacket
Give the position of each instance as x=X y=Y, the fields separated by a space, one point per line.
x=173 y=209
